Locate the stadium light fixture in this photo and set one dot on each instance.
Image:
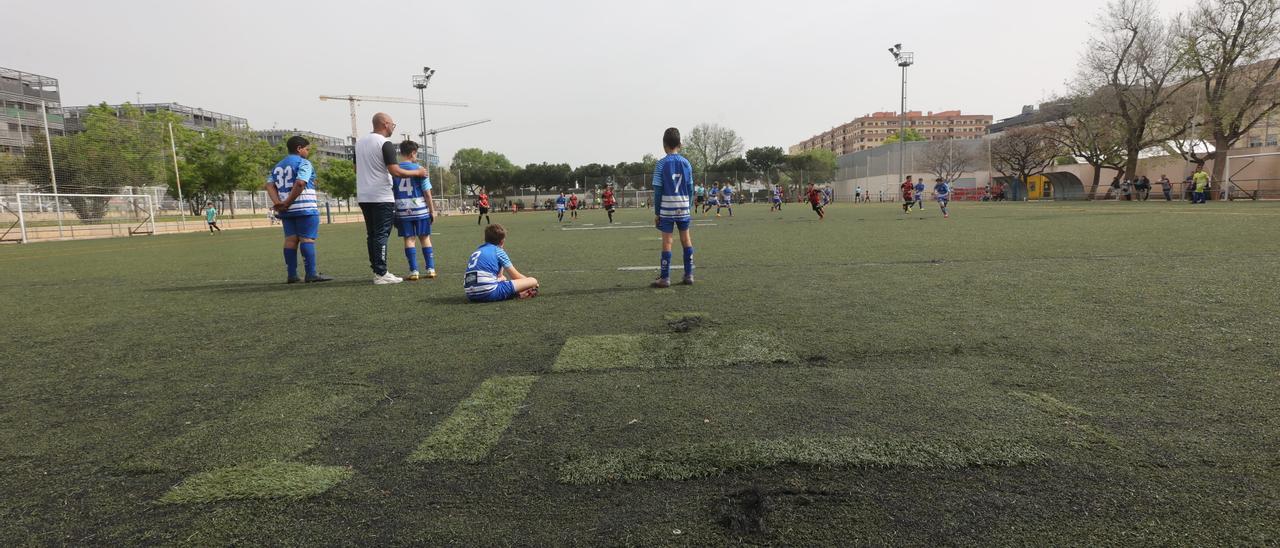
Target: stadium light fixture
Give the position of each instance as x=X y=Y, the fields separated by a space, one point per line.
x=904 y=59
x=420 y=82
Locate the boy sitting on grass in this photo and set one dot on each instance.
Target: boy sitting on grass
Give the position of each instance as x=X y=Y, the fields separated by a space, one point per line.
x=490 y=275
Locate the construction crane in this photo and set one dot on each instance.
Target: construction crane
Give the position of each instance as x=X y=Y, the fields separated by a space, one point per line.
x=433 y=132
x=353 y=99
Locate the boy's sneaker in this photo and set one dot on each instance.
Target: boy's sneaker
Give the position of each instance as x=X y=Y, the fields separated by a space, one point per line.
x=661 y=283
x=318 y=278
x=431 y=273
x=688 y=280
x=413 y=276
x=293 y=280
x=386 y=279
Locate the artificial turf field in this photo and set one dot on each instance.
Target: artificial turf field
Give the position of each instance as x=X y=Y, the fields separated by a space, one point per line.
x=1040 y=374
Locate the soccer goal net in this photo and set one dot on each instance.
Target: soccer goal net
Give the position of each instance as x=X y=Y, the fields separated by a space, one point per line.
x=47 y=216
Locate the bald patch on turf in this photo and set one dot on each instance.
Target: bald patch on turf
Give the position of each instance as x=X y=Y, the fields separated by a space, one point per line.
x=1087 y=434
x=477 y=423
x=276 y=427
x=707 y=349
x=684 y=462
x=271 y=480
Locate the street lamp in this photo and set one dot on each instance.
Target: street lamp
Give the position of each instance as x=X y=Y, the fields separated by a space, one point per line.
x=904 y=60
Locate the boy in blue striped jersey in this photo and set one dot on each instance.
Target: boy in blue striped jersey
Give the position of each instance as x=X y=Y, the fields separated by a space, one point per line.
x=292 y=189
x=672 y=202
x=414 y=212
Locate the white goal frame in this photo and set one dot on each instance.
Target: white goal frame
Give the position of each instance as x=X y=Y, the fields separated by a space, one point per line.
x=1226 y=172
x=146 y=226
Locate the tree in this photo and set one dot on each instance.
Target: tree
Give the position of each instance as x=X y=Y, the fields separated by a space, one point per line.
x=1226 y=43
x=1023 y=152
x=478 y=168
x=767 y=160
x=708 y=145
x=949 y=160
x=1089 y=130
x=220 y=160
x=911 y=136
x=337 y=177
x=1136 y=67
x=816 y=166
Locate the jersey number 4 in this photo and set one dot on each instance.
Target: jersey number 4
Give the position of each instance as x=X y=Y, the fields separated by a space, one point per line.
x=406 y=185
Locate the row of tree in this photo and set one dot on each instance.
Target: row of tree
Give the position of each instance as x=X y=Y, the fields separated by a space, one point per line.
x=1193 y=84
x=715 y=152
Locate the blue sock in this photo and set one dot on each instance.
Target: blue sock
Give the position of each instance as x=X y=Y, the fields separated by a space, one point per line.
x=665 y=271
x=688 y=261
x=430 y=254
x=291 y=261
x=411 y=253
x=309 y=257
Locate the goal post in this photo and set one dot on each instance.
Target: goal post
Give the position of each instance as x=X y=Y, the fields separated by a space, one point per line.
x=50 y=216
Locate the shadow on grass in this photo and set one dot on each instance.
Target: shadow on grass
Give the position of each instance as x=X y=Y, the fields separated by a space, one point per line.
x=459 y=298
x=256 y=287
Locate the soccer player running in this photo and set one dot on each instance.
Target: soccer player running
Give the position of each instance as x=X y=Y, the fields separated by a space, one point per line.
x=561 y=202
x=919 y=194
x=573 y=207
x=908 y=187
x=815 y=201
x=942 y=193
x=699 y=197
x=414 y=212
x=777 y=199
x=713 y=199
x=672 y=200
x=292 y=190
x=610 y=203
x=726 y=199
x=482 y=204
x=211 y=217
x=490 y=276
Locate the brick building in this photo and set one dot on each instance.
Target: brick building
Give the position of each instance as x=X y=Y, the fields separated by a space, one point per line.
x=870 y=131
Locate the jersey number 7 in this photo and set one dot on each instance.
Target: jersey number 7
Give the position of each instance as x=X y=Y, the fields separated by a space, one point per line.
x=677 y=178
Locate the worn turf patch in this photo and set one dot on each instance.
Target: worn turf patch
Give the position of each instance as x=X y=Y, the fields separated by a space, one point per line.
x=709 y=349
x=277 y=427
x=684 y=322
x=1072 y=416
x=477 y=423
x=271 y=480
x=716 y=458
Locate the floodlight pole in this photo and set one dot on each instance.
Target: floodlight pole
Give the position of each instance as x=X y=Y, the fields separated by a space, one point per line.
x=420 y=82
x=904 y=59
x=177 y=178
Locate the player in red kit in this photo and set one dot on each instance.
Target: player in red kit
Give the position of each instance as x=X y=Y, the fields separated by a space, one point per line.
x=815 y=201
x=908 y=187
x=573 y=207
x=610 y=203
x=482 y=203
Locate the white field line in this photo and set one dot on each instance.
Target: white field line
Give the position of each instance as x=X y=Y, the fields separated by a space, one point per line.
x=642 y=268
x=621 y=227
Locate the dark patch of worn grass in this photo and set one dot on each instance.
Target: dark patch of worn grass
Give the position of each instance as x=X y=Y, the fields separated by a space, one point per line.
x=271 y=480
x=477 y=423
x=703 y=349
x=711 y=459
x=277 y=426
x=684 y=322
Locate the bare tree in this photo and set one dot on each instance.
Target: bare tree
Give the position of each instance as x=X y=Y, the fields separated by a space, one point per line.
x=1232 y=46
x=1136 y=67
x=949 y=160
x=1023 y=152
x=709 y=145
x=1086 y=129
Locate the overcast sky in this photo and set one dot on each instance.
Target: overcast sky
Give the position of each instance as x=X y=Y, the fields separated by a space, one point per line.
x=566 y=81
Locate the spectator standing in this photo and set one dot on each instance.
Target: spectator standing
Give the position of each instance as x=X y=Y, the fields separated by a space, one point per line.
x=1166 y=187
x=376 y=163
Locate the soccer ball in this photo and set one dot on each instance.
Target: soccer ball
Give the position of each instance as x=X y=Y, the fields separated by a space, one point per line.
x=717 y=215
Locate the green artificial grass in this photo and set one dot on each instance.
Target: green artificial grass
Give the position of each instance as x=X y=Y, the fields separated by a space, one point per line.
x=1131 y=344
x=272 y=480
x=704 y=460
x=475 y=426
x=701 y=348
x=278 y=426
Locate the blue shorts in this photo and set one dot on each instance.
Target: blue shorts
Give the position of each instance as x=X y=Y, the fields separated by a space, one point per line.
x=502 y=291
x=408 y=228
x=306 y=226
x=669 y=225
x=943 y=199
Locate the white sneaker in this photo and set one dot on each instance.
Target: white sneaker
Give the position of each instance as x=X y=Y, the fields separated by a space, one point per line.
x=386 y=279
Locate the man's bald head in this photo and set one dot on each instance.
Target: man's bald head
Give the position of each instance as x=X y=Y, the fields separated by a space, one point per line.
x=382 y=124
